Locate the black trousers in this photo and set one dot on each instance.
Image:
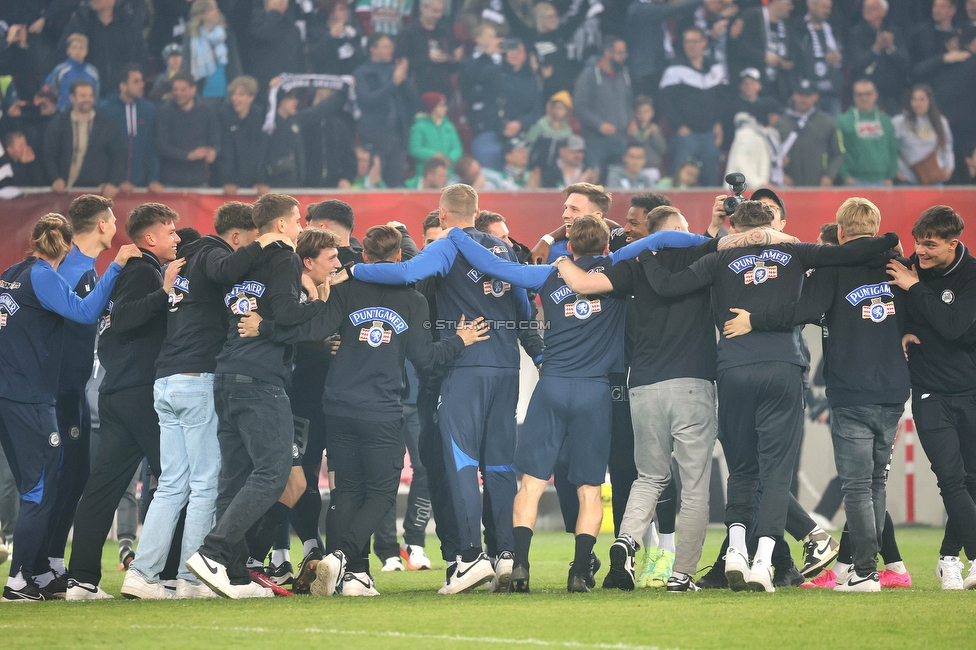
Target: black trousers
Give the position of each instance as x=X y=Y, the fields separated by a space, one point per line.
x=129 y=432
x=418 y=501
x=74 y=425
x=760 y=415
x=946 y=428
x=367 y=458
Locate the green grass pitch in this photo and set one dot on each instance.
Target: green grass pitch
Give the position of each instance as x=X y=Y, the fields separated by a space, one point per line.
x=410 y=614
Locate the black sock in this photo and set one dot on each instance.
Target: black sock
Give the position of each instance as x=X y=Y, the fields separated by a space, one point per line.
x=845 y=554
x=470 y=555
x=584 y=546
x=261 y=535
x=523 y=539
x=305 y=513
x=889 y=547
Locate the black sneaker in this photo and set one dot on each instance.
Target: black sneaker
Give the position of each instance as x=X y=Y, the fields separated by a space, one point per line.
x=306 y=573
x=282 y=574
x=714 y=579
x=519 y=583
x=677 y=585
x=576 y=584
x=27 y=594
x=820 y=551
x=621 y=573
x=594 y=569
x=789 y=577
x=126 y=555
x=57 y=588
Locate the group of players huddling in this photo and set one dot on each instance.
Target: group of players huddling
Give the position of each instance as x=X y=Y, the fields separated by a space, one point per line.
x=199 y=352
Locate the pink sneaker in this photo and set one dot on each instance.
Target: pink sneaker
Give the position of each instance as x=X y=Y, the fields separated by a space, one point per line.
x=893 y=580
x=826 y=580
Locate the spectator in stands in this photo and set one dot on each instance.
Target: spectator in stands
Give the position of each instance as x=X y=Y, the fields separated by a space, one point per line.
x=930 y=37
x=633 y=174
x=759 y=39
x=755 y=146
x=383 y=16
x=969 y=18
x=187 y=136
x=603 y=104
x=27 y=169
x=274 y=43
x=432 y=134
x=211 y=57
x=520 y=103
x=73 y=68
x=334 y=40
x=747 y=101
x=469 y=171
x=715 y=18
x=330 y=138
x=135 y=118
x=809 y=136
x=547 y=38
x=481 y=81
x=285 y=156
x=819 y=55
x=516 y=172
x=685 y=178
x=387 y=100
x=82 y=147
x=242 y=142
x=168 y=22
x=878 y=53
x=644 y=129
x=369 y=171
x=645 y=35
x=429 y=45
x=35 y=117
x=114 y=37
x=568 y=167
x=544 y=136
x=163 y=85
x=868 y=140
x=433 y=176
x=692 y=92
x=925 y=154
x=954 y=82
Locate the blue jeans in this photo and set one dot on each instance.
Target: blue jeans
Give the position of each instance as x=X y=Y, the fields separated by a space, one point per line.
x=189 y=457
x=699 y=147
x=863 y=437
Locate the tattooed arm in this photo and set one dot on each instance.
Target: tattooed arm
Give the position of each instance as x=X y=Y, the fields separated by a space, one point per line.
x=756 y=237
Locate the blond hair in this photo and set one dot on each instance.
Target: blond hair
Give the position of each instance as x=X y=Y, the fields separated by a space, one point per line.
x=859 y=217
x=460 y=201
x=77 y=38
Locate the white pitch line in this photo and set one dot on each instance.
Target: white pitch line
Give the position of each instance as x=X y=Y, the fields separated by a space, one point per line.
x=404 y=635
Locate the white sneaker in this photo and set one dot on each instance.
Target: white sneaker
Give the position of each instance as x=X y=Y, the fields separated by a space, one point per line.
x=469 y=575
x=187 y=590
x=854 y=582
x=252 y=590
x=949 y=572
x=136 y=587
x=211 y=573
x=391 y=564
x=760 y=576
x=736 y=569
x=358 y=584
x=503 y=573
x=85 y=591
x=970 y=581
x=415 y=557
x=328 y=573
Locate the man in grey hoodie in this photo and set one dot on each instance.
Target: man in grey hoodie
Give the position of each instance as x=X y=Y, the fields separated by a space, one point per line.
x=603 y=103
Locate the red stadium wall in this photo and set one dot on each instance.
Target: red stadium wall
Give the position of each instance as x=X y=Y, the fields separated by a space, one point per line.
x=529 y=214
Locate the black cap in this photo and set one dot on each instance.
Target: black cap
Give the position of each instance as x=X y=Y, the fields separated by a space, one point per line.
x=806 y=87
x=766 y=193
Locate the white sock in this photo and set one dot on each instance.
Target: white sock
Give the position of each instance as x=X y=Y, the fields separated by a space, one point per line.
x=17 y=582
x=650 y=536
x=57 y=565
x=816 y=530
x=44 y=579
x=765 y=550
x=678 y=575
x=737 y=538
x=667 y=542
x=309 y=545
x=840 y=568
x=280 y=556
x=897 y=567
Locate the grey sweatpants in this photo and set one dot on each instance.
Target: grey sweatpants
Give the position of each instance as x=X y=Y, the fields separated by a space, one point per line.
x=675 y=416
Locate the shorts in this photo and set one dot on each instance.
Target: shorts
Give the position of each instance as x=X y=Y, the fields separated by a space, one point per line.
x=567 y=412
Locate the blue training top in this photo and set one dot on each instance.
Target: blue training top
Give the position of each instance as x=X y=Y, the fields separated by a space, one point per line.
x=34 y=301
x=462 y=289
x=584 y=335
x=78 y=357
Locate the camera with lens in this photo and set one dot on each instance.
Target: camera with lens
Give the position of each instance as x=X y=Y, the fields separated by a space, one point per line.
x=737 y=183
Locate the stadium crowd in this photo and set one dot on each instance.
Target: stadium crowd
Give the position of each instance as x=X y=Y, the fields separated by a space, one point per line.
x=281 y=338
x=366 y=94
